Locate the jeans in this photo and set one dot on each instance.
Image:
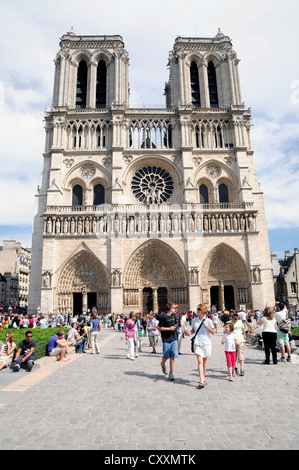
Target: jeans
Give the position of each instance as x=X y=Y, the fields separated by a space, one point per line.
x=19 y=363
x=80 y=345
x=269 y=339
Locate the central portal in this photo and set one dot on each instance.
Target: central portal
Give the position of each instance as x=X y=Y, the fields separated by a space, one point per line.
x=147 y=300
x=148 y=294
x=154 y=276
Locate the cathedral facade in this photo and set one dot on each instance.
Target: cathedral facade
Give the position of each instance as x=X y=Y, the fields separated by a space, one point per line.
x=140 y=207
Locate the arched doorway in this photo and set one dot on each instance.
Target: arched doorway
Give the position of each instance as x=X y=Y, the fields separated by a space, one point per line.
x=82 y=285
x=153 y=276
x=225 y=279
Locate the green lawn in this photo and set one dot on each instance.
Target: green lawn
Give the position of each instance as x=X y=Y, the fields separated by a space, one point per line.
x=40 y=336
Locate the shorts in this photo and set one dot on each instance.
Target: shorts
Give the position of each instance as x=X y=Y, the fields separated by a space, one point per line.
x=55 y=351
x=203 y=351
x=154 y=339
x=170 y=350
x=230 y=358
x=282 y=339
x=240 y=352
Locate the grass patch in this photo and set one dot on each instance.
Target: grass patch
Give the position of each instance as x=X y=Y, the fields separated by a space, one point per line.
x=41 y=336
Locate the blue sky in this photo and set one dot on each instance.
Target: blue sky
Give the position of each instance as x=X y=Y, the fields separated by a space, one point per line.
x=265 y=35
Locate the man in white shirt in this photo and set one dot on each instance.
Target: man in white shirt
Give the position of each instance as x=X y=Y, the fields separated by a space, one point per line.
x=282 y=338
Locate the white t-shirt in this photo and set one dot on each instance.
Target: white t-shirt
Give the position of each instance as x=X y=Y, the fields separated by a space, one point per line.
x=203 y=337
x=269 y=325
x=279 y=316
x=229 y=344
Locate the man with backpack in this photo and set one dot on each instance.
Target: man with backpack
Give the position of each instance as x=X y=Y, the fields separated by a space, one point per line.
x=283 y=329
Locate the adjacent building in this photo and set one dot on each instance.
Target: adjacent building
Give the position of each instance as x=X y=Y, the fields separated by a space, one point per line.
x=286 y=276
x=140 y=207
x=15 y=265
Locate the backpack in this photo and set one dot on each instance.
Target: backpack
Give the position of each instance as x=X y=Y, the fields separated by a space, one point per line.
x=285 y=325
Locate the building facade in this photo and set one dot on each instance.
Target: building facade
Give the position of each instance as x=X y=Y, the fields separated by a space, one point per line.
x=140 y=207
x=15 y=265
x=286 y=277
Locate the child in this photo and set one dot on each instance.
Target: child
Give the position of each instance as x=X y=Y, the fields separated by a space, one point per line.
x=230 y=341
x=140 y=336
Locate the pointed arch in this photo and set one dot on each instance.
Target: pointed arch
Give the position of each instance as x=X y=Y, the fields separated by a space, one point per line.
x=82 y=269
x=81 y=90
x=172 y=268
x=224 y=263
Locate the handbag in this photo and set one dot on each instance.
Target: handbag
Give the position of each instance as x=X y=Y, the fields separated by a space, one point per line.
x=193 y=338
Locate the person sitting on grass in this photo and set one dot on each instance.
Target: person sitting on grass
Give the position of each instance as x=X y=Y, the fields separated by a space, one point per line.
x=7 y=349
x=58 y=346
x=25 y=353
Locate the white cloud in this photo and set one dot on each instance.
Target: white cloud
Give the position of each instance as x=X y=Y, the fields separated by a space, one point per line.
x=265 y=36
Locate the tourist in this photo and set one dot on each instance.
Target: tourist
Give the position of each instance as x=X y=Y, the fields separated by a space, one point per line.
x=239 y=332
x=76 y=339
x=6 y=352
x=130 y=336
x=58 y=346
x=25 y=353
x=269 y=334
x=282 y=337
x=153 y=333
x=168 y=328
x=95 y=328
x=230 y=342
x=140 y=337
x=203 y=328
x=215 y=321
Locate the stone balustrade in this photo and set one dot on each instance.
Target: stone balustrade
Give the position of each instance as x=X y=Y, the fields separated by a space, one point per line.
x=141 y=220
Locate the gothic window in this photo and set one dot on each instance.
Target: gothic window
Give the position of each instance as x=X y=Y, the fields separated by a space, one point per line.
x=223 y=193
x=101 y=87
x=212 y=85
x=195 y=91
x=81 y=92
x=98 y=195
x=203 y=194
x=77 y=195
x=152 y=185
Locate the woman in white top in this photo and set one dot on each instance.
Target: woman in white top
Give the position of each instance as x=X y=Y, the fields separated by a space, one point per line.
x=269 y=334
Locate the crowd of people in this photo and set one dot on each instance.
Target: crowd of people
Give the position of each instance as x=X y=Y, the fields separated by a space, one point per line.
x=271 y=328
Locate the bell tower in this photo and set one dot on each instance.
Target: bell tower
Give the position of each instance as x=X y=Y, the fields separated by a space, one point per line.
x=91 y=72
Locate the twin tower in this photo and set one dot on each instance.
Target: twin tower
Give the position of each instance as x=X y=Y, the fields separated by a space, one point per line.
x=140 y=207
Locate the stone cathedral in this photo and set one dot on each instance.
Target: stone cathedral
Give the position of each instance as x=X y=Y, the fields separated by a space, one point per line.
x=140 y=207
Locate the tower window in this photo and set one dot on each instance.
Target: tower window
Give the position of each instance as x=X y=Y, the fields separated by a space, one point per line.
x=77 y=195
x=98 y=195
x=203 y=194
x=195 y=91
x=101 y=85
x=223 y=193
x=81 y=92
x=212 y=85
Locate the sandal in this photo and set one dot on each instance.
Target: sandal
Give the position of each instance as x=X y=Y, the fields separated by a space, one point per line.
x=200 y=385
x=204 y=383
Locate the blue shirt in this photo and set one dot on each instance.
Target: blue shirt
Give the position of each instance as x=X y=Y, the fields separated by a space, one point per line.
x=95 y=324
x=52 y=343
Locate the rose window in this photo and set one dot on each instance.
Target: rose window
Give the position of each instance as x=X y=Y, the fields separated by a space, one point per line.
x=152 y=185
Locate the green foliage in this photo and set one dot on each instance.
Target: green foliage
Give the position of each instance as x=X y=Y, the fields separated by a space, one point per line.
x=41 y=336
x=295 y=331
